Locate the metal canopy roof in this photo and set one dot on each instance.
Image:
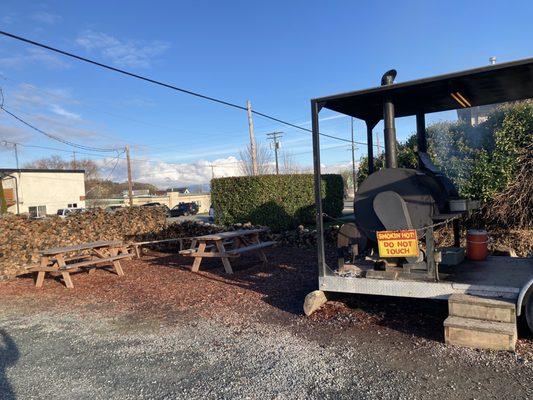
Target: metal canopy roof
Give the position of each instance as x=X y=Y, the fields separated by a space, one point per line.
x=475 y=87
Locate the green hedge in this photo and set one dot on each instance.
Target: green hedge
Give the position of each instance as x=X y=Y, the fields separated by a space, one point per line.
x=277 y=201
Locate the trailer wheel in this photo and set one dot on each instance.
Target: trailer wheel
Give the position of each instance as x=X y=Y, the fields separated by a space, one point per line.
x=529 y=310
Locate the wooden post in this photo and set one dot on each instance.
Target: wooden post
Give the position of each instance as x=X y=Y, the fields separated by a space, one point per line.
x=198 y=259
x=130 y=184
x=252 y=137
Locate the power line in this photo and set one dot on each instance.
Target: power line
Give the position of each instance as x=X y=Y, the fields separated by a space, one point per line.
x=6 y=142
x=121 y=71
x=108 y=176
x=226 y=134
x=233 y=133
x=49 y=135
x=166 y=85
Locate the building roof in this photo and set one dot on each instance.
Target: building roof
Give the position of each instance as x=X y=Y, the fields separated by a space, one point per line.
x=491 y=84
x=11 y=170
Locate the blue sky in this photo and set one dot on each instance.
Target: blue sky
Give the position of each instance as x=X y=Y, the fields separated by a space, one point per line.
x=277 y=54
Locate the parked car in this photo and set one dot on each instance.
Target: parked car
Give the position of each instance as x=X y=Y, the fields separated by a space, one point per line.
x=113 y=208
x=156 y=204
x=184 y=209
x=64 y=212
x=152 y=204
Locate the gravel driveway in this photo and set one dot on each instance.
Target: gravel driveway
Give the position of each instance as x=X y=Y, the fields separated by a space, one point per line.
x=153 y=336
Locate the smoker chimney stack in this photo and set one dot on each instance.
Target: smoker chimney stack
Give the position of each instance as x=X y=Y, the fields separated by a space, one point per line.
x=388 y=121
x=492 y=60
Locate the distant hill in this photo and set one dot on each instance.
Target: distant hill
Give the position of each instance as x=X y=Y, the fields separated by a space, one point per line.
x=97 y=189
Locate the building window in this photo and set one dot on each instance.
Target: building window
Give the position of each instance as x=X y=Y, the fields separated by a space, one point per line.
x=72 y=205
x=37 y=212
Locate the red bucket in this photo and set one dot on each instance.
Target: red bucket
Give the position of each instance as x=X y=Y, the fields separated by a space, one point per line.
x=477 y=244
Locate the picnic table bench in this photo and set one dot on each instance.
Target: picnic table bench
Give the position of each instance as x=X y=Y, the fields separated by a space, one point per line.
x=69 y=259
x=136 y=246
x=214 y=245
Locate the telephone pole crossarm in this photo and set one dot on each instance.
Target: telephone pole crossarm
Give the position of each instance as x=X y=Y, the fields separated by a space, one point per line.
x=276 y=144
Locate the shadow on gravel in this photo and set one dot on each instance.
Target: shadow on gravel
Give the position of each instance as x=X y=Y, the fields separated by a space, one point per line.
x=291 y=275
x=9 y=355
x=417 y=317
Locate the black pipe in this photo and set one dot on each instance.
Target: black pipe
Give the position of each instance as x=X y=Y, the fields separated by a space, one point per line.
x=389 y=131
x=421 y=138
x=370 y=147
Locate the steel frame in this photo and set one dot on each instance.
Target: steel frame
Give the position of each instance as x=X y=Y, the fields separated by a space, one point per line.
x=328 y=281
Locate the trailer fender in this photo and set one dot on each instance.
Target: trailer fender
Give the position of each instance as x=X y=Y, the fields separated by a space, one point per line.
x=522 y=296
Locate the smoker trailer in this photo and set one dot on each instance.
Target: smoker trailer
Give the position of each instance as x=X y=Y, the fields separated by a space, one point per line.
x=394 y=199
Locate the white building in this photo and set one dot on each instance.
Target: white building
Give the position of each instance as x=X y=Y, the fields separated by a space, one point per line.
x=42 y=191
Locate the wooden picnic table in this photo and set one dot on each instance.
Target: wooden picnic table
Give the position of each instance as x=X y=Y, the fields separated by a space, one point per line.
x=226 y=245
x=88 y=256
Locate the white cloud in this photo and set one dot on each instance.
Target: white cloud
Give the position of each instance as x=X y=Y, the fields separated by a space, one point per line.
x=135 y=54
x=48 y=59
x=27 y=94
x=165 y=174
x=337 y=167
x=11 y=133
x=49 y=109
x=46 y=17
x=32 y=56
x=63 y=113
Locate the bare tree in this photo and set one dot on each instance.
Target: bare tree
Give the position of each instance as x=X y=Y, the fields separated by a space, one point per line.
x=264 y=160
x=288 y=164
x=56 y=162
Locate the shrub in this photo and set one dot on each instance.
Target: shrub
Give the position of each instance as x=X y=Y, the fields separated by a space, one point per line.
x=278 y=201
x=481 y=160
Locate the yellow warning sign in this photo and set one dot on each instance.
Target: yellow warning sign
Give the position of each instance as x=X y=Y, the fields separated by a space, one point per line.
x=397 y=243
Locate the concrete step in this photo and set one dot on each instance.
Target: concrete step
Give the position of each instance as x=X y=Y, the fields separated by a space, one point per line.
x=479 y=334
x=482 y=308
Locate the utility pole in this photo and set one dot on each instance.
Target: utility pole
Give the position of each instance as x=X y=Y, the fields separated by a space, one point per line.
x=130 y=184
x=17 y=178
x=354 y=174
x=16 y=156
x=252 y=137
x=276 y=144
x=15 y=148
x=212 y=171
x=74 y=160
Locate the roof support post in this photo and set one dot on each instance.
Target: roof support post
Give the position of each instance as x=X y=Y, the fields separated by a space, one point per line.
x=315 y=109
x=370 y=146
x=421 y=139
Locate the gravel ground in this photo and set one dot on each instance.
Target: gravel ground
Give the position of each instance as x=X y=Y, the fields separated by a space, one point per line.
x=174 y=335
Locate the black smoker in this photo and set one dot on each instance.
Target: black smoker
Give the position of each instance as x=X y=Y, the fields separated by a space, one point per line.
x=400 y=198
